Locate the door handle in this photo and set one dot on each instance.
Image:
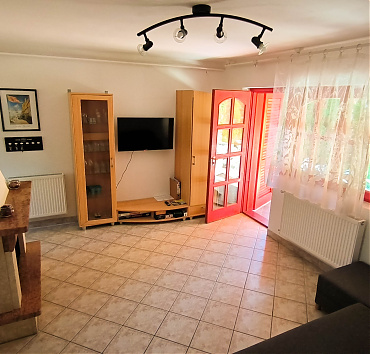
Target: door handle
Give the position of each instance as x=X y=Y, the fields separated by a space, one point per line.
x=193 y=163
x=213 y=160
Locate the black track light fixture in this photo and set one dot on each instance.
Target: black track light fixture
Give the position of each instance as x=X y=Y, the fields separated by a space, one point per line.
x=180 y=33
x=258 y=43
x=143 y=48
x=202 y=10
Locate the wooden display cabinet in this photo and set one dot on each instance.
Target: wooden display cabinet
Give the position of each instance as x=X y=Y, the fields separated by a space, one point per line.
x=193 y=119
x=94 y=157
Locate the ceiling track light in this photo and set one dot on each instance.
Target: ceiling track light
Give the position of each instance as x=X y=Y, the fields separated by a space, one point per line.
x=258 y=43
x=202 y=10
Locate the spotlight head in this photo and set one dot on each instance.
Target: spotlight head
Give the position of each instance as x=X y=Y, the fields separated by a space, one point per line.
x=220 y=35
x=180 y=33
x=259 y=44
x=143 y=48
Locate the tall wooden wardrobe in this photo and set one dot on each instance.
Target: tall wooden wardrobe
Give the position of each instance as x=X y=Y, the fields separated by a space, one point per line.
x=193 y=119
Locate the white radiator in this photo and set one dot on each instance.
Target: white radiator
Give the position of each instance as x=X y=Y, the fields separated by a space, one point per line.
x=48 y=195
x=336 y=240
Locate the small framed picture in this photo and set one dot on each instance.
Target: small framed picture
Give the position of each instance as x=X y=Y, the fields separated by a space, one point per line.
x=19 y=110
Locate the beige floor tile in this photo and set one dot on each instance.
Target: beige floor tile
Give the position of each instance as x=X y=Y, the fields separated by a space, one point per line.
x=177 y=238
x=160 y=297
x=158 y=260
x=237 y=263
x=290 y=291
x=76 y=242
x=189 y=305
x=64 y=294
x=172 y=280
x=221 y=314
x=73 y=348
x=211 y=338
x=95 y=246
x=232 y=277
x=290 y=275
x=147 y=274
x=313 y=313
x=223 y=237
x=129 y=340
x=267 y=245
x=67 y=324
x=206 y=271
x=147 y=244
x=14 y=346
x=202 y=233
x=290 y=310
x=253 y=323
x=260 y=284
x=247 y=231
x=44 y=343
x=255 y=301
x=101 y=262
x=228 y=227
x=46 y=247
x=244 y=241
x=133 y=290
x=127 y=240
x=228 y=294
x=311 y=279
x=310 y=294
x=146 y=318
x=241 y=251
x=123 y=268
x=158 y=235
x=219 y=247
x=138 y=230
x=136 y=255
x=290 y=262
x=213 y=258
x=181 y=265
x=84 y=277
x=49 y=264
x=109 y=236
x=185 y=228
x=58 y=238
x=241 y=341
x=90 y=301
x=280 y=325
x=195 y=351
x=190 y=253
x=80 y=257
x=60 y=253
x=117 y=310
x=48 y=312
x=197 y=242
x=62 y=271
x=159 y=345
x=115 y=250
x=108 y=283
x=48 y=284
x=97 y=334
x=177 y=328
x=265 y=256
x=263 y=269
x=198 y=287
x=168 y=248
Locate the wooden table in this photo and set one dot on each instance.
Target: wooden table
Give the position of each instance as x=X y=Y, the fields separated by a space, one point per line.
x=20 y=276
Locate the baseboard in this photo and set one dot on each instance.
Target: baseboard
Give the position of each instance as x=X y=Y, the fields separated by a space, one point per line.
x=52 y=221
x=300 y=252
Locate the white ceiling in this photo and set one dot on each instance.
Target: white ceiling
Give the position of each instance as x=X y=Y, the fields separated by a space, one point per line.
x=106 y=29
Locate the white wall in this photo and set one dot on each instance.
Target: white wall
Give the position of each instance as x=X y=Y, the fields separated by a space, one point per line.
x=137 y=91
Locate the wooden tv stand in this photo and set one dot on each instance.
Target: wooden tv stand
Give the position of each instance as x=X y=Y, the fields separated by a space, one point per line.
x=147 y=205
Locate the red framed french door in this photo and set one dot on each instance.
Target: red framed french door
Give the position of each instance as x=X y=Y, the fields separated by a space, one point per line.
x=228 y=148
x=265 y=111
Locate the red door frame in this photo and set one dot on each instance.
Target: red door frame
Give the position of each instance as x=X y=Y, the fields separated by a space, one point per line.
x=217 y=97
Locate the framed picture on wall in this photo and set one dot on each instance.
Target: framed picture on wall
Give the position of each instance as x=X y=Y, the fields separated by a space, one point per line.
x=19 y=109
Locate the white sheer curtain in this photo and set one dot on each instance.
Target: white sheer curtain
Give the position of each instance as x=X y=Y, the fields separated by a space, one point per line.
x=322 y=145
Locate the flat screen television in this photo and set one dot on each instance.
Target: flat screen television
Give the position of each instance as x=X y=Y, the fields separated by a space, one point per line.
x=135 y=134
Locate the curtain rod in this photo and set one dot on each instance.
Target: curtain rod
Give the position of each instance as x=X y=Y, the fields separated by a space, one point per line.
x=298 y=52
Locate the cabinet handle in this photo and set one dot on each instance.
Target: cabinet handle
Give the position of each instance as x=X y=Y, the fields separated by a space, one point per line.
x=111 y=162
x=193 y=159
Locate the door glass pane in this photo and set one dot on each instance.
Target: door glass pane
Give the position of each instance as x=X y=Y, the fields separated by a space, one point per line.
x=238 y=112
x=232 y=195
x=224 y=112
x=234 y=171
x=222 y=141
x=94 y=115
x=236 y=139
x=220 y=170
x=218 y=197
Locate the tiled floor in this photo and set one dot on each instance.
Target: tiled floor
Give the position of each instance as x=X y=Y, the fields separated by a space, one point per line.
x=171 y=287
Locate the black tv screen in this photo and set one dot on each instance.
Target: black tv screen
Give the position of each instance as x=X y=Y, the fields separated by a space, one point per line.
x=144 y=133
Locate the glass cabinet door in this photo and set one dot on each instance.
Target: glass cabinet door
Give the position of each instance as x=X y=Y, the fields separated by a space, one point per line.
x=97 y=158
